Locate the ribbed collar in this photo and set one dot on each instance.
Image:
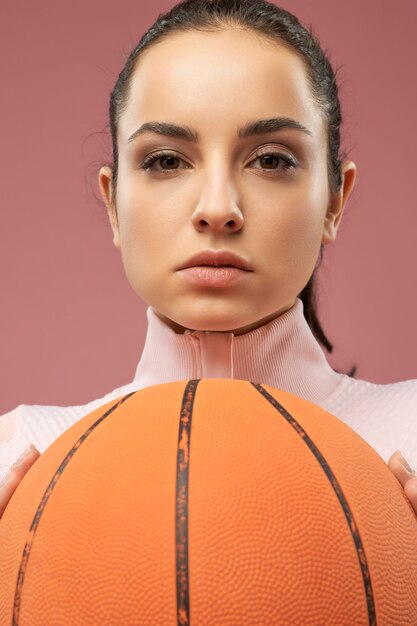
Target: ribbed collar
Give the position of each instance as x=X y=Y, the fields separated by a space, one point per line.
x=283 y=353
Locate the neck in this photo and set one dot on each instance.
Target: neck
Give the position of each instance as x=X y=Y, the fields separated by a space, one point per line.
x=282 y=353
x=180 y=330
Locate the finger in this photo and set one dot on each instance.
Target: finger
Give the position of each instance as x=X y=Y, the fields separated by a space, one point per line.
x=400 y=467
x=410 y=490
x=15 y=475
x=26 y=460
x=8 y=488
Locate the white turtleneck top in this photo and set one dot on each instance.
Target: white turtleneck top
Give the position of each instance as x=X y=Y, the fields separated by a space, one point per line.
x=283 y=353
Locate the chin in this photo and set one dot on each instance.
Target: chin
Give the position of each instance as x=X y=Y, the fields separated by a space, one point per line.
x=226 y=317
x=218 y=322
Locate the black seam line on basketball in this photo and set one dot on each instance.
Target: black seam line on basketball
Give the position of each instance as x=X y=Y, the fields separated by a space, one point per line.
x=181 y=504
x=340 y=495
x=41 y=508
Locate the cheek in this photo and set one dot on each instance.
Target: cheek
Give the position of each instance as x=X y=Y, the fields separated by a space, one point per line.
x=136 y=217
x=133 y=231
x=149 y=226
x=289 y=228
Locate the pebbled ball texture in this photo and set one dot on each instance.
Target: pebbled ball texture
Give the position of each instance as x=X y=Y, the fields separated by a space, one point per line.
x=209 y=503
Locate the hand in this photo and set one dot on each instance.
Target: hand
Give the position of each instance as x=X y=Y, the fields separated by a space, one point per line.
x=406 y=475
x=15 y=475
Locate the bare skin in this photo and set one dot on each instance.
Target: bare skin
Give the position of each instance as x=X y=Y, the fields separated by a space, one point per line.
x=17 y=472
x=407 y=478
x=263 y=196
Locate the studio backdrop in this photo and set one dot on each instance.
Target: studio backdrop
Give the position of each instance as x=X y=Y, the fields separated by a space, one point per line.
x=71 y=327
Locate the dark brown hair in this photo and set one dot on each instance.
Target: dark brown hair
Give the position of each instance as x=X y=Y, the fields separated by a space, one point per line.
x=277 y=25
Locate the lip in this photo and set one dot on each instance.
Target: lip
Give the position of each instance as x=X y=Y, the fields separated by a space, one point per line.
x=213 y=275
x=217 y=258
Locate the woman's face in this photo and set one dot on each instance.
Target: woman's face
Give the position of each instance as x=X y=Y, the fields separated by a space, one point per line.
x=262 y=194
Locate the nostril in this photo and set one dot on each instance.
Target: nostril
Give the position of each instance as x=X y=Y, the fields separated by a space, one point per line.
x=217 y=223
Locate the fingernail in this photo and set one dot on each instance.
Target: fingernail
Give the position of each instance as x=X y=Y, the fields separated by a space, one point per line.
x=5 y=478
x=24 y=454
x=404 y=462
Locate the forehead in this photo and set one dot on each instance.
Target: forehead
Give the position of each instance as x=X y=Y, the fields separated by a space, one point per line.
x=219 y=80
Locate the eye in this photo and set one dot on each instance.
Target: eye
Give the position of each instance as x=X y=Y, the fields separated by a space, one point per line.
x=275 y=161
x=170 y=162
x=167 y=160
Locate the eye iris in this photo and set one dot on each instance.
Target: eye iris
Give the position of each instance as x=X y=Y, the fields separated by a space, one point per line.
x=168 y=160
x=270 y=160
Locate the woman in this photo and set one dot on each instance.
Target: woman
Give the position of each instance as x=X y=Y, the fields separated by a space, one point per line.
x=225 y=185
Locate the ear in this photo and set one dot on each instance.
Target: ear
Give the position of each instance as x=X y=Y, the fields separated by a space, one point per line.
x=338 y=202
x=105 y=184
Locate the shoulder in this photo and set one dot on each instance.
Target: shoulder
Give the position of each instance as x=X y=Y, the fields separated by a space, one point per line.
x=383 y=414
x=42 y=424
x=356 y=393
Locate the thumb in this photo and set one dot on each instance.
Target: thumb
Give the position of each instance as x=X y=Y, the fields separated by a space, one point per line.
x=14 y=476
x=401 y=468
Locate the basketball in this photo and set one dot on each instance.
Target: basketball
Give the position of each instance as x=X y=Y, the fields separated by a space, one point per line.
x=209 y=502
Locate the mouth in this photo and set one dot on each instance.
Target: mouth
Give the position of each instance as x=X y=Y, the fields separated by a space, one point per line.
x=214 y=275
x=217 y=259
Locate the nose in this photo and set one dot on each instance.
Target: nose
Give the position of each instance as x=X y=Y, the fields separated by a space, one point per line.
x=218 y=208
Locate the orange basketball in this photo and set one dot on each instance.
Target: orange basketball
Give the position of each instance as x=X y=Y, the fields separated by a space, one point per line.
x=209 y=503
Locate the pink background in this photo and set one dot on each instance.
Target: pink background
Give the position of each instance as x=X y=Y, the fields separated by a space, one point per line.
x=71 y=328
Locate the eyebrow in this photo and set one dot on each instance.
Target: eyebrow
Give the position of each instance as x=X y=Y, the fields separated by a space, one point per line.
x=258 y=127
